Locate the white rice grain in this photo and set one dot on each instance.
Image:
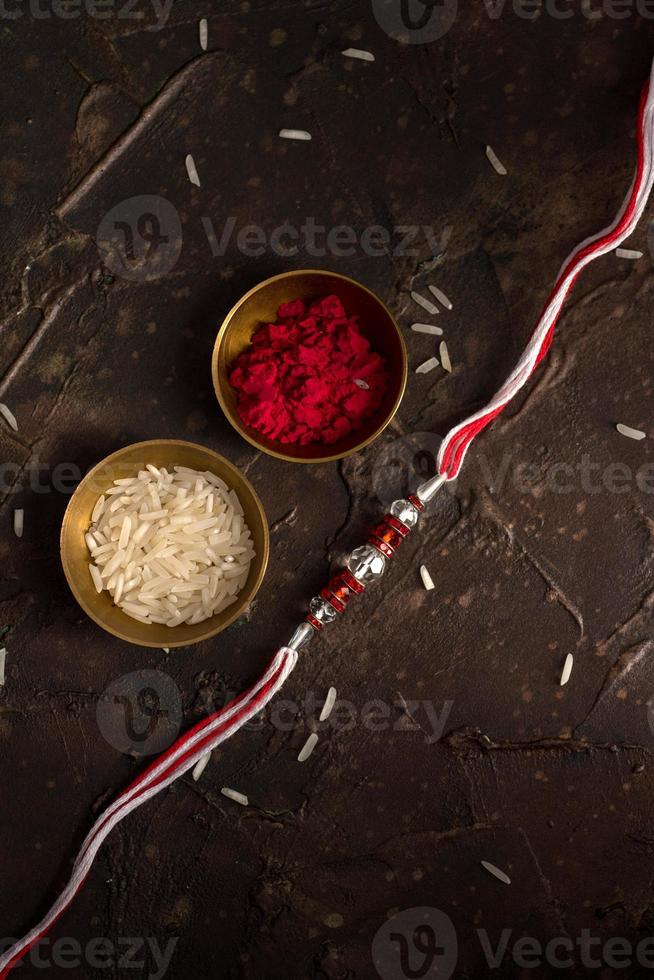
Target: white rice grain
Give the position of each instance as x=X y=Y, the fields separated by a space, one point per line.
x=3 y=661
x=97 y=578
x=628 y=253
x=427 y=328
x=496 y=872
x=328 y=706
x=425 y=303
x=200 y=766
x=125 y=528
x=567 y=670
x=626 y=430
x=308 y=747
x=441 y=297
x=97 y=510
x=203 y=30
x=19 y=521
x=445 y=357
x=495 y=162
x=154 y=554
x=427 y=366
x=427 y=580
x=192 y=171
x=360 y=383
x=294 y=134
x=358 y=53
x=233 y=794
x=9 y=416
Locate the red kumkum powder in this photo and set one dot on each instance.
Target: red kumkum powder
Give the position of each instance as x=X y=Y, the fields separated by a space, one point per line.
x=297 y=382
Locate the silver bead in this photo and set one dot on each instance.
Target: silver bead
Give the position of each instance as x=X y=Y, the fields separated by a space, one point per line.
x=302 y=635
x=366 y=564
x=405 y=512
x=322 y=610
x=428 y=489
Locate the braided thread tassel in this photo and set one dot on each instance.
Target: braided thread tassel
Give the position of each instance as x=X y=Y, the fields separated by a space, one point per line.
x=177 y=760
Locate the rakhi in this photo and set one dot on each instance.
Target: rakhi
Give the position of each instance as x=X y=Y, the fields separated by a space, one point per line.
x=367 y=563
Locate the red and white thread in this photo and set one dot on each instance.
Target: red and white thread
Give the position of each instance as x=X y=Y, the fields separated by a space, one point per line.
x=457 y=442
x=179 y=758
x=205 y=736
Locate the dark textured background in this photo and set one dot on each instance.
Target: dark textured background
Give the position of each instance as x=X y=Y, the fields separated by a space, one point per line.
x=554 y=785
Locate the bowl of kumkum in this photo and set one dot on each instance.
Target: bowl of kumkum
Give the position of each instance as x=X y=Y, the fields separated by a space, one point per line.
x=309 y=366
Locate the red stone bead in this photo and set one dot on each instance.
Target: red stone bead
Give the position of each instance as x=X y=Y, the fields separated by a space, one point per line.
x=338 y=592
x=396 y=523
x=380 y=545
x=333 y=600
x=314 y=622
x=352 y=583
x=416 y=501
x=388 y=534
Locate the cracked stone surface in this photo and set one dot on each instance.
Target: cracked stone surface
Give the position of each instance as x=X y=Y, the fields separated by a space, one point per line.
x=453 y=741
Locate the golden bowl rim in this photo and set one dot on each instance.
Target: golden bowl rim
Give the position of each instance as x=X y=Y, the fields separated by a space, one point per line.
x=236 y=423
x=210 y=631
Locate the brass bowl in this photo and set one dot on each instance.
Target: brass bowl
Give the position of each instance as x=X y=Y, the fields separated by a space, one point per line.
x=260 y=305
x=75 y=557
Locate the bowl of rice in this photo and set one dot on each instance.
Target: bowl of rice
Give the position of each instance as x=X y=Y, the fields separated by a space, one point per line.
x=164 y=543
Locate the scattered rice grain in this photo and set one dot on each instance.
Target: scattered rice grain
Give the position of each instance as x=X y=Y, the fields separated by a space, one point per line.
x=360 y=383
x=294 y=134
x=3 y=661
x=495 y=161
x=204 y=33
x=567 y=669
x=628 y=253
x=328 y=706
x=626 y=430
x=445 y=357
x=358 y=53
x=9 y=416
x=427 y=366
x=496 y=872
x=425 y=303
x=427 y=580
x=441 y=297
x=191 y=170
x=308 y=747
x=200 y=766
x=427 y=328
x=19 y=520
x=233 y=794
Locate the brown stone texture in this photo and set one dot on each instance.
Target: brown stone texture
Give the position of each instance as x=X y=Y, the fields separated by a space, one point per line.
x=544 y=547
